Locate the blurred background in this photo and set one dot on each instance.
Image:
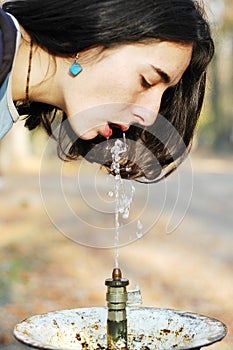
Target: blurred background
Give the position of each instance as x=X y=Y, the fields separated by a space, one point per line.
x=190 y=269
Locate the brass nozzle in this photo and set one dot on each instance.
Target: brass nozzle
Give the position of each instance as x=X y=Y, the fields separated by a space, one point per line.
x=116 y=280
x=116 y=273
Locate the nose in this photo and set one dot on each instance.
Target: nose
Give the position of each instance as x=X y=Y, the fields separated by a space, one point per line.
x=147 y=107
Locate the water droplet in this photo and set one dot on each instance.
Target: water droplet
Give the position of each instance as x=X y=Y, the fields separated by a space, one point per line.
x=139 y=225
x=139 y=233
x=126 y=214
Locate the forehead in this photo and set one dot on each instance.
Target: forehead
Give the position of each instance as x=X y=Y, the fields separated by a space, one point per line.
x=170 y=57
x=166 y=51
x=153 y=50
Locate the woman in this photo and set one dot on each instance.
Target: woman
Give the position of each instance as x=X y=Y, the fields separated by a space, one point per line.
x=110 y=66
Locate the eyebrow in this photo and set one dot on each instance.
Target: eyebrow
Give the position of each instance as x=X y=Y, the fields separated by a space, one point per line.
x=164 y=76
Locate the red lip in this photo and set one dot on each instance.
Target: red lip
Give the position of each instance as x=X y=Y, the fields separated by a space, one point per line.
x=107 y=131
x=123 y=127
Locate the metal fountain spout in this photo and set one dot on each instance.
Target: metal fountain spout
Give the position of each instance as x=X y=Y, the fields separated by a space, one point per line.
x=117 y=319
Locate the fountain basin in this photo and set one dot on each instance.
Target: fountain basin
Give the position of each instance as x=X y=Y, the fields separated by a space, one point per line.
x=148 y=328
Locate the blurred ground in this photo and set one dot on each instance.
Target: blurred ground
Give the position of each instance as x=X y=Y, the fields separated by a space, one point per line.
x=190 y=269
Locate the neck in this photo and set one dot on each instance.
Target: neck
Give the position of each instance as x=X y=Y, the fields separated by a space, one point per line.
x=43 y=79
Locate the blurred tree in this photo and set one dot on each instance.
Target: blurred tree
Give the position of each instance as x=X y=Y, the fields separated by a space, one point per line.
x=216 y=127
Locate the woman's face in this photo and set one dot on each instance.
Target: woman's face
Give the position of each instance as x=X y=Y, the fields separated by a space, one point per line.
x=124 y=86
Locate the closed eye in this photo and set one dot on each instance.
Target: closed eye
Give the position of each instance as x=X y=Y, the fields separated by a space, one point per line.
x=145 y=84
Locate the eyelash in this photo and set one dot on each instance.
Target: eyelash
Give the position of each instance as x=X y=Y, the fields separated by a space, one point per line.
x=145 y=84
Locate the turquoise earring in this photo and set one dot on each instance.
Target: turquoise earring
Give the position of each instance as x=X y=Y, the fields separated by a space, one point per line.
x=75 y=69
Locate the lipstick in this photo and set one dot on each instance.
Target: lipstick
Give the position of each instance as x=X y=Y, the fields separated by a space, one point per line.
x=107 y=131
x=121 y=126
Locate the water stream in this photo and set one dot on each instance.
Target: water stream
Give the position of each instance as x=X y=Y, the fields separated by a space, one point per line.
x=123 y=195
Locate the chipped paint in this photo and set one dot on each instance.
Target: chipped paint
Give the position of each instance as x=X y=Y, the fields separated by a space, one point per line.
x=148 y=329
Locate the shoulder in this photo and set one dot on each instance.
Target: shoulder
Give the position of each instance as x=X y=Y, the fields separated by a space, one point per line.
x=6 y=120
x=8 y=35
x=9 y=42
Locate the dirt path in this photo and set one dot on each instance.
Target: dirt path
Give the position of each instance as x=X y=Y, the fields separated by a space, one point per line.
x=190 y=269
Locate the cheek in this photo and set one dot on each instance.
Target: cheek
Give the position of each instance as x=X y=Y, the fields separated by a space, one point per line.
x=115 y=91
x=107 y=83
x=117 y=81
x=122 y=90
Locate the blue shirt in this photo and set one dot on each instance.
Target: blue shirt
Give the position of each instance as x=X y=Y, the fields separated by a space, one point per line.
x=6 y=120
x=8 y=113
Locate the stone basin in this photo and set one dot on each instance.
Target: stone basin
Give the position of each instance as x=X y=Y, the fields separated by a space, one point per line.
x=148 y=328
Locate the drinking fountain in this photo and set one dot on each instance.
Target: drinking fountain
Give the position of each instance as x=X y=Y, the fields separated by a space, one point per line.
x=119 y=326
